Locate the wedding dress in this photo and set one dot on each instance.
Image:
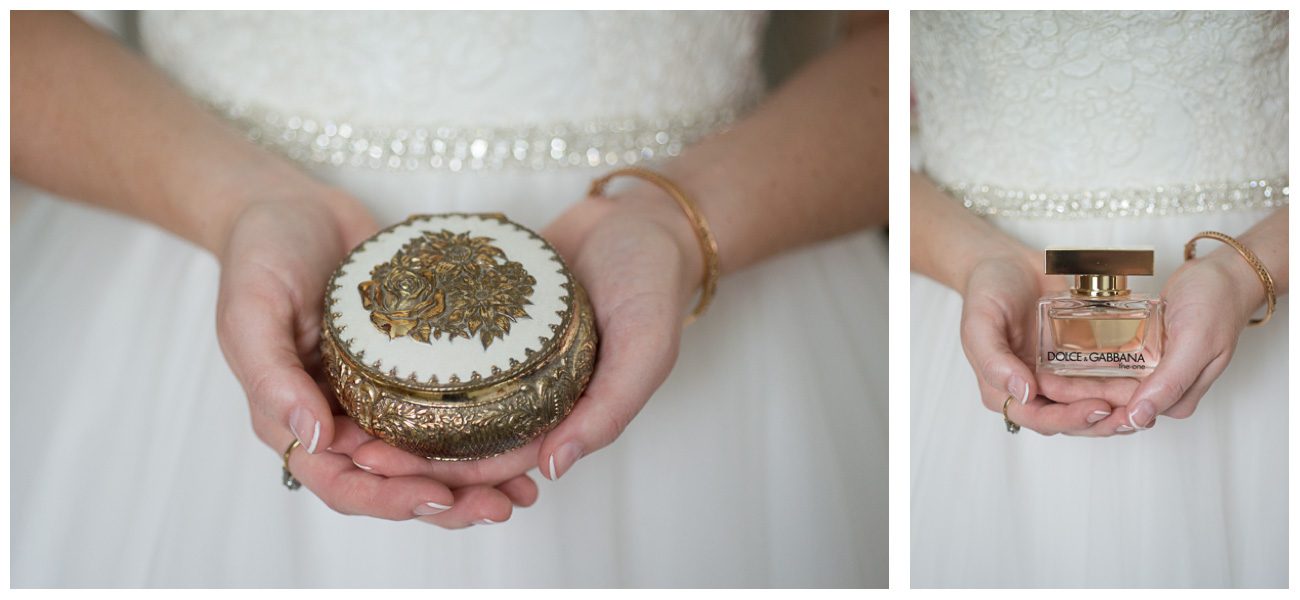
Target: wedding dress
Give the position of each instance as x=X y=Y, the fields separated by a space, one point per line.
x=760 y=462
x=1101 y=129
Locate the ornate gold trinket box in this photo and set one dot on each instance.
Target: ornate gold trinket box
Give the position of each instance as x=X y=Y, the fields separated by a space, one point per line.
x=456 y=336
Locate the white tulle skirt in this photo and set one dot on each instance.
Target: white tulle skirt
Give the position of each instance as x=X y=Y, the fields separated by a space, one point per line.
x=760 y=462
x=1200 y=502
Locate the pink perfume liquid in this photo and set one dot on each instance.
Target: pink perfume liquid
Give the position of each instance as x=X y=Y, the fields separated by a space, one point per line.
x=1119 y=336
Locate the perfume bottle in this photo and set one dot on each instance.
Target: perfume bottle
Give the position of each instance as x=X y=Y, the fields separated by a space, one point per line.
x=1099 y=328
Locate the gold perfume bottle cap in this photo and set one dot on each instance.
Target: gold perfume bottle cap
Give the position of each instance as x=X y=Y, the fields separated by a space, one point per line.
x=1100 y=272
x=1100 y=261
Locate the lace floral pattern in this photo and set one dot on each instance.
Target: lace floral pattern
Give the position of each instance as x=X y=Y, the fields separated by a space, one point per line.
x=1070 y=102
x=464 y=69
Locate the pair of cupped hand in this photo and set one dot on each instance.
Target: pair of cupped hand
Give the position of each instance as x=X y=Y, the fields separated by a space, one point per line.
x=1208 y=302
x=635 y=256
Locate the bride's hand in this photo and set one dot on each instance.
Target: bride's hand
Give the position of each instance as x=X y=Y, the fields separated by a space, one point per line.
x=998 y=335
x=1208 y=302
x=1000 y=282
x=639 y=261
x=275 y=264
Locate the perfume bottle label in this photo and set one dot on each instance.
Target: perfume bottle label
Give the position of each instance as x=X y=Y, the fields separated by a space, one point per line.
x=1119 y=358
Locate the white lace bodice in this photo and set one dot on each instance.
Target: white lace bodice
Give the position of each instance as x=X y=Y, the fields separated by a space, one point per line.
x=464 y=69
x=1069 y=101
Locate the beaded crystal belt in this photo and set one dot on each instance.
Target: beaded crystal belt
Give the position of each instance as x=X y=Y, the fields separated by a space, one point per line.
x=611 y=142
x=1137 y=202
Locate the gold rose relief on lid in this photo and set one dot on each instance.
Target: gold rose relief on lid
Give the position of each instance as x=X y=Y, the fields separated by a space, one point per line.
x=456 y=336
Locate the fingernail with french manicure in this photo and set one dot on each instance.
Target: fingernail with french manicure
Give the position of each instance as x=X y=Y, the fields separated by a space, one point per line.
x=562 y=460
x=1096 y=415
x=1123 y=429
x=485 y=522
x=1141 y=415
x=1018 y=387
x=301 y=422
x=360 y=466
x=428 y=508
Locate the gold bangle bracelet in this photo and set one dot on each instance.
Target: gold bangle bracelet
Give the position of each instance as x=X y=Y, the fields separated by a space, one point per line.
x=708 y=245
x=1270 y=292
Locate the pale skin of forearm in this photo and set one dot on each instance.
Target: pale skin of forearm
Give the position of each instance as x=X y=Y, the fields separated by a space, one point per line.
x=99 y=124
x=94 y=122
x=966 y=238
x=809 y=164
x=969 y=239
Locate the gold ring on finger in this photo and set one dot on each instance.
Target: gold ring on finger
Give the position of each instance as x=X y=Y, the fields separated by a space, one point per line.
x=1012 y=427
x=288 y=479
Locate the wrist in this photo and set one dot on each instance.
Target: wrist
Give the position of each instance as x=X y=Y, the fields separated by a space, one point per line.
x=331 y=219
x=654 y=205
x=227 y=205
x=1002 y=252
x=1247 y=288
x=209 y=191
